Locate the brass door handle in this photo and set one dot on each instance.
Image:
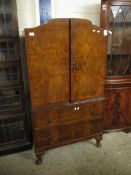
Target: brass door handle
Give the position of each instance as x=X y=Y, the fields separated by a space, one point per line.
x=75 y=68
x=48 y=119
x=77 y=108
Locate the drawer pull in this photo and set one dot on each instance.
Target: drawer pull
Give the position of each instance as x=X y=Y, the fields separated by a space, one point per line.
x=93 y=112
x=48 y=119
x=78 y=108
x=75 y=109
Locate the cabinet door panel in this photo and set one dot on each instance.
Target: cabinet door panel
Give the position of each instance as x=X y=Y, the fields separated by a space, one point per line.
x=87 y=59
x=12 y=128
x=48 y=62
x=11 y=99
x=9 y=74
x=8 y=49
x=8 y=21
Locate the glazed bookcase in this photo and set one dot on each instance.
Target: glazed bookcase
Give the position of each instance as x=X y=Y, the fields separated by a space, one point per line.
x=15 y=132
x=116 y=19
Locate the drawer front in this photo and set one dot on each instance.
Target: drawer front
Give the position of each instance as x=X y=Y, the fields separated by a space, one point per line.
x=67 y=132
x=88 y=111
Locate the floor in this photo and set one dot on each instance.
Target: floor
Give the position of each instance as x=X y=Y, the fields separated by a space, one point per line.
x=113 y=158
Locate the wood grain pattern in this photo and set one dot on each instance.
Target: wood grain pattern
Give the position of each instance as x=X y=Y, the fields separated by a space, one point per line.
x=118 y=112
x=51 y=117
x=66 y=68
x=88 y=55
x=66 y=132
x=49 y=48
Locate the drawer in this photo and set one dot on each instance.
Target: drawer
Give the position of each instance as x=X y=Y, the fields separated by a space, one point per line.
x=88 y=111
x=66 y=133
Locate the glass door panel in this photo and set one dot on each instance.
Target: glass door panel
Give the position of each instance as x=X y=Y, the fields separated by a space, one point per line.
x=8 y=50
x=118 y=32
x=9 y=75
x=119 y=41
x=7 y=4
x=7 y=17
x=10 y=98
x=12 y=129
x=127 y=35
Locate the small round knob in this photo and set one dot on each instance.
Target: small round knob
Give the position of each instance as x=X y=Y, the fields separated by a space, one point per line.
x=75 y=109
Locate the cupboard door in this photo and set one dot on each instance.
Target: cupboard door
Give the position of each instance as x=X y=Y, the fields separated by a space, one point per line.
x=87 y=60
x=48 y=62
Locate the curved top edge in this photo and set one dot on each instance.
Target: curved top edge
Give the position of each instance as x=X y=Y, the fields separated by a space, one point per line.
x=67 y=19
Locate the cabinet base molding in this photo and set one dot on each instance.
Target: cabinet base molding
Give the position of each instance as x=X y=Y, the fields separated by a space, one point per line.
x=126 y=130
x=39 y=152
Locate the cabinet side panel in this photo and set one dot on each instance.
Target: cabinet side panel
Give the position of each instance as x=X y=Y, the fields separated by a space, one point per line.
x=88 y=60
x=48 y=62
x=118 y=108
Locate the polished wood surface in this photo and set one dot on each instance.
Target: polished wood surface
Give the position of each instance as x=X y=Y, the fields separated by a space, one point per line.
x=47 y=50
x=66 y=132
x=85 y=82
x=52 y=116
x=104 y=14
x=66 y=70
x=118 y=109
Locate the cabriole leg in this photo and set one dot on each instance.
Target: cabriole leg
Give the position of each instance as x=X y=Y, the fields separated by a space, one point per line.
x=98 y=139
x=39 y=160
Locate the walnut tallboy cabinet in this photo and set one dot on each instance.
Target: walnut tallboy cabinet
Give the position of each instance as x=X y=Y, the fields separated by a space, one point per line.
x=116 y=18
x=66 y=71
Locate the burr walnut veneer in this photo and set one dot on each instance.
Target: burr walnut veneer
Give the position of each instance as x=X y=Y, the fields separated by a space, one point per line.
x=66 y=70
